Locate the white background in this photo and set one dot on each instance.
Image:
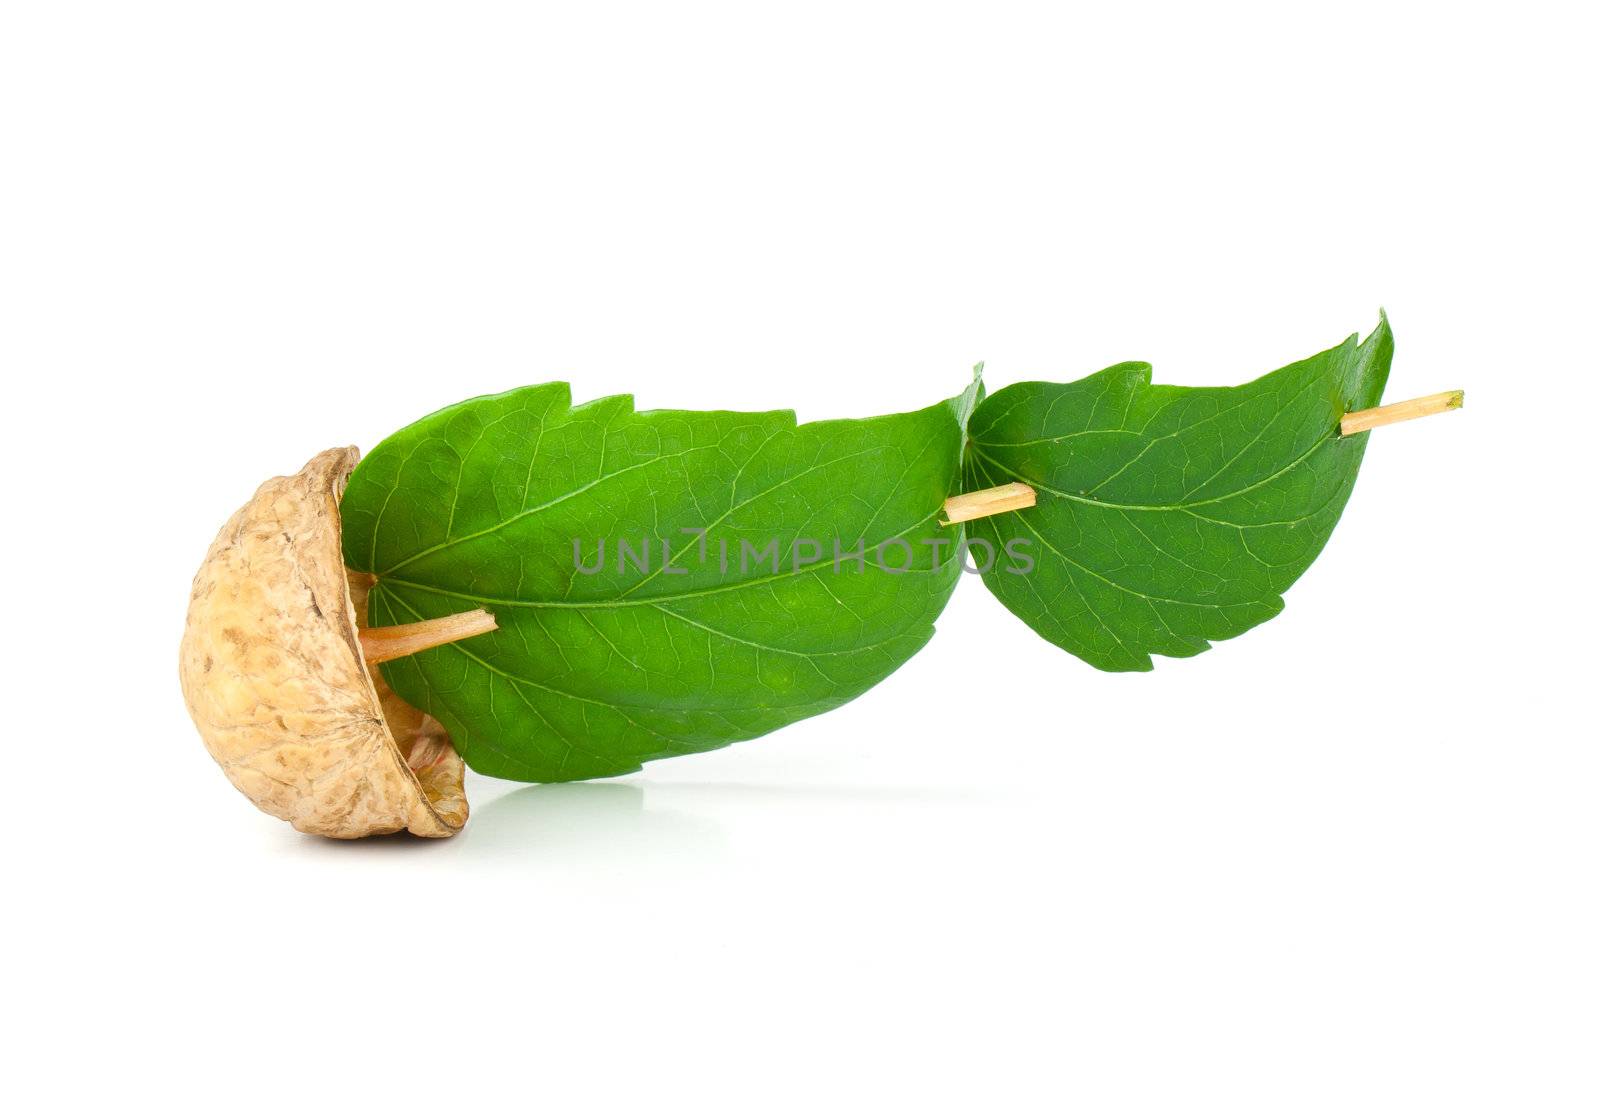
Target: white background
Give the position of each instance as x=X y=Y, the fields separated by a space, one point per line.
x=1352 y=854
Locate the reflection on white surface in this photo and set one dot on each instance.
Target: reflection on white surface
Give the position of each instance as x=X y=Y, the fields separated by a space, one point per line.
x=592 y=820
x=641 y=824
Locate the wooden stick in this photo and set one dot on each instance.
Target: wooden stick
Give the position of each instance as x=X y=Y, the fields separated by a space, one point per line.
x=986 y=503
x=1363 y=419
x=387 y=644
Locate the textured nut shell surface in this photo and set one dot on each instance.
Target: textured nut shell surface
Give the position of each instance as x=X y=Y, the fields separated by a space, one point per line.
x=272 y=672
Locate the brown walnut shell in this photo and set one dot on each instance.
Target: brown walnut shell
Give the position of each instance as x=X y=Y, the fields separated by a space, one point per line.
x=273 y=674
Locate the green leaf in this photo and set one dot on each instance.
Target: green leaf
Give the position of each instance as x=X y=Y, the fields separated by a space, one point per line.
x=591 y=675
x=1168 y=516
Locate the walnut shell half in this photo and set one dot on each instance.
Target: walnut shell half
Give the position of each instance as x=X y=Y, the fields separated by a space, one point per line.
x=273 y=674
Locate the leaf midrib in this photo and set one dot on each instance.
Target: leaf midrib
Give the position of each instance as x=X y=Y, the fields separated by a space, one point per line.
x=686 y=594
x=1179 y=506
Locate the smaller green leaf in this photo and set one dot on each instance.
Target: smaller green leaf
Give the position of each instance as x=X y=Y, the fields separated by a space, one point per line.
x=1168 y=516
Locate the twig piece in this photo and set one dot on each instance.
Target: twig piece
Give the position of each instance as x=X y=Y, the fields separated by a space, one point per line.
x=986 y=503
x=387 y=644
x=1363 y=419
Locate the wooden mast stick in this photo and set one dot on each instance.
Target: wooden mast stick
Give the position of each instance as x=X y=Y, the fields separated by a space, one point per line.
x=986 y=503
x=1364 y=419
x=387 y=644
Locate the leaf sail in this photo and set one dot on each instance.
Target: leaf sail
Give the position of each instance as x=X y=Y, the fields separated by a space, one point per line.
x=688 y=641
x=1169 y=516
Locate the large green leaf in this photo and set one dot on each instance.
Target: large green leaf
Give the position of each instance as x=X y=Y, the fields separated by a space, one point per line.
x=1168 y=516
x=591 y=675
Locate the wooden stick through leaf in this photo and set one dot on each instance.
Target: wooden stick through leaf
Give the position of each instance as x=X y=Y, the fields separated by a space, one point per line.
x=986 y=503
x=1017 y=495
x=387 y=644
x=1363 y=419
